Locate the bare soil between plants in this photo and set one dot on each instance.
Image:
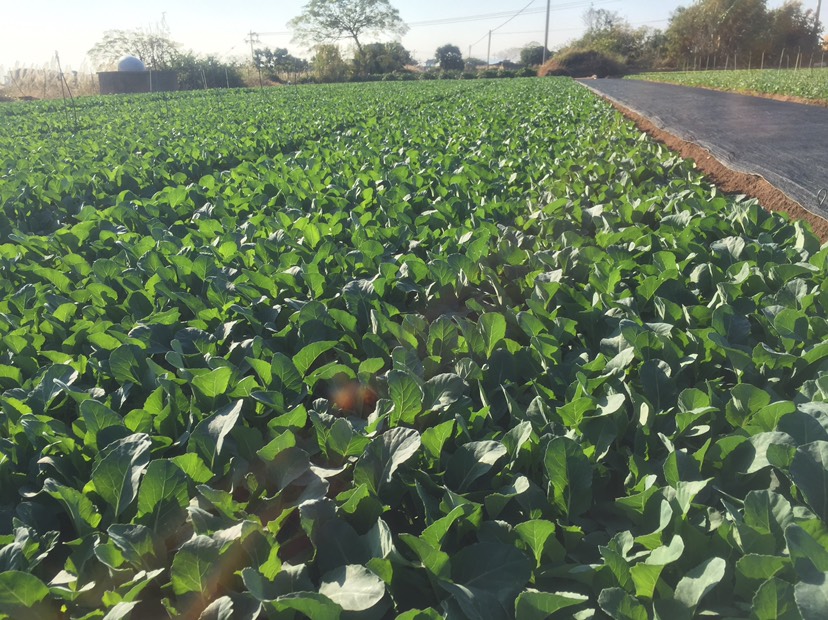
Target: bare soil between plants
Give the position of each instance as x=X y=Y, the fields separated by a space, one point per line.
x=729 y=181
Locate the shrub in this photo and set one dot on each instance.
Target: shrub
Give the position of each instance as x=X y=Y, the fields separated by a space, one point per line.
x=450 y=75
x=584 y=63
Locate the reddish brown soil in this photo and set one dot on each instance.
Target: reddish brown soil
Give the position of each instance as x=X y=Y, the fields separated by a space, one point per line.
x=730 y=181
x=792 y=98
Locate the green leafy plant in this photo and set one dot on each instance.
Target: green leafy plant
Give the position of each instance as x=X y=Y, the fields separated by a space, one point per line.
x=449 y=349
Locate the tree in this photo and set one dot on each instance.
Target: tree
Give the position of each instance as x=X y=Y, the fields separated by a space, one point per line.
x=197 y=72
x=601 y=20
x=153 y=46
x=724 y=28
x=791 y=28
x=379 y=58
x=278 y=61
x=328 y=64
x=612 y=36
x=450 y=58
x=328 y=21
x=532 y=55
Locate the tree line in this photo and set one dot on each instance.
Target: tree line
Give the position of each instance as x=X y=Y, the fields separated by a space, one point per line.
x=705 y=33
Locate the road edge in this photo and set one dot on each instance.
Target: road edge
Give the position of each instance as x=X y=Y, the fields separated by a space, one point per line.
x=730 y=181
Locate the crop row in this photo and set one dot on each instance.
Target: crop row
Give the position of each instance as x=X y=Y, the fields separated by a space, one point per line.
x=809 y=84
x=461 y=350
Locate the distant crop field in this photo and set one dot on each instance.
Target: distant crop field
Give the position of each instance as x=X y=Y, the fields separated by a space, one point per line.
x=809 y=84
x=438 y=350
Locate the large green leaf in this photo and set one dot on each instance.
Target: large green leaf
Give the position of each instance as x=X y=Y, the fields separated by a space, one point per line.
x=493 y=331
x=128 y=364
x=353 y=588
x=645 y=578
x=471 y=461
x=570 y=476
x=306 y=357
x=621 y=606
x=433 y=560
x=20 y=590
x=99 y=418
x=219 y=609
x=442 y=391
x=498 y=569
x=536 y=533
x=213 y=383
x=407 y=396
x=699 y=581
x=136 y=543
x=812 y=597
x=774 y=600
x=534 y=605
x=808 y=555
x=163 y=494
x=121 y=611
x=746 y=401
x=116 y=476
x=83 y=513
x=286 y=378
x=195 y=566
x=384 y=456
x=208 y=437
x=309 y=604
x=809 y=471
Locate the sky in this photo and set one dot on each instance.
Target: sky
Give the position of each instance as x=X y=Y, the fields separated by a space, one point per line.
x=31 y=31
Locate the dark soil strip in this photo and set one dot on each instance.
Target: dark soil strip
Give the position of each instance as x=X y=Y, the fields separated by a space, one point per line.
x=728 y=180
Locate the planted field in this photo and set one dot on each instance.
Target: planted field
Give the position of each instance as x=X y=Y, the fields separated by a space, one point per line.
x=810 y=84
x=476 y=349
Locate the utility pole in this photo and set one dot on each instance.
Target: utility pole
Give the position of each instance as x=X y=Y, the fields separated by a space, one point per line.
x=253 y=38
x=816 y=19
x=546 y=36
x=489 y=51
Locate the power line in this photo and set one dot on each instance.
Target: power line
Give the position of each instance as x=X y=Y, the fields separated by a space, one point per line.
x=509 y=16
x=506 y=14
x=465 y=18
x=489 y=50
x=516 y=32
x=527 y=11
x=516 y=15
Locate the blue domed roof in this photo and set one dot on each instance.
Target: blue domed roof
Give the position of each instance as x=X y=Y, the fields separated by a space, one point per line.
x=131 y=64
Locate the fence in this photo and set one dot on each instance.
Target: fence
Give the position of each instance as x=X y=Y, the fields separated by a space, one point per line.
x=797 y=60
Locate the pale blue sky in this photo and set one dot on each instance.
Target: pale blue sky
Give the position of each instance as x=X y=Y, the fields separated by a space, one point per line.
x=31 y=30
